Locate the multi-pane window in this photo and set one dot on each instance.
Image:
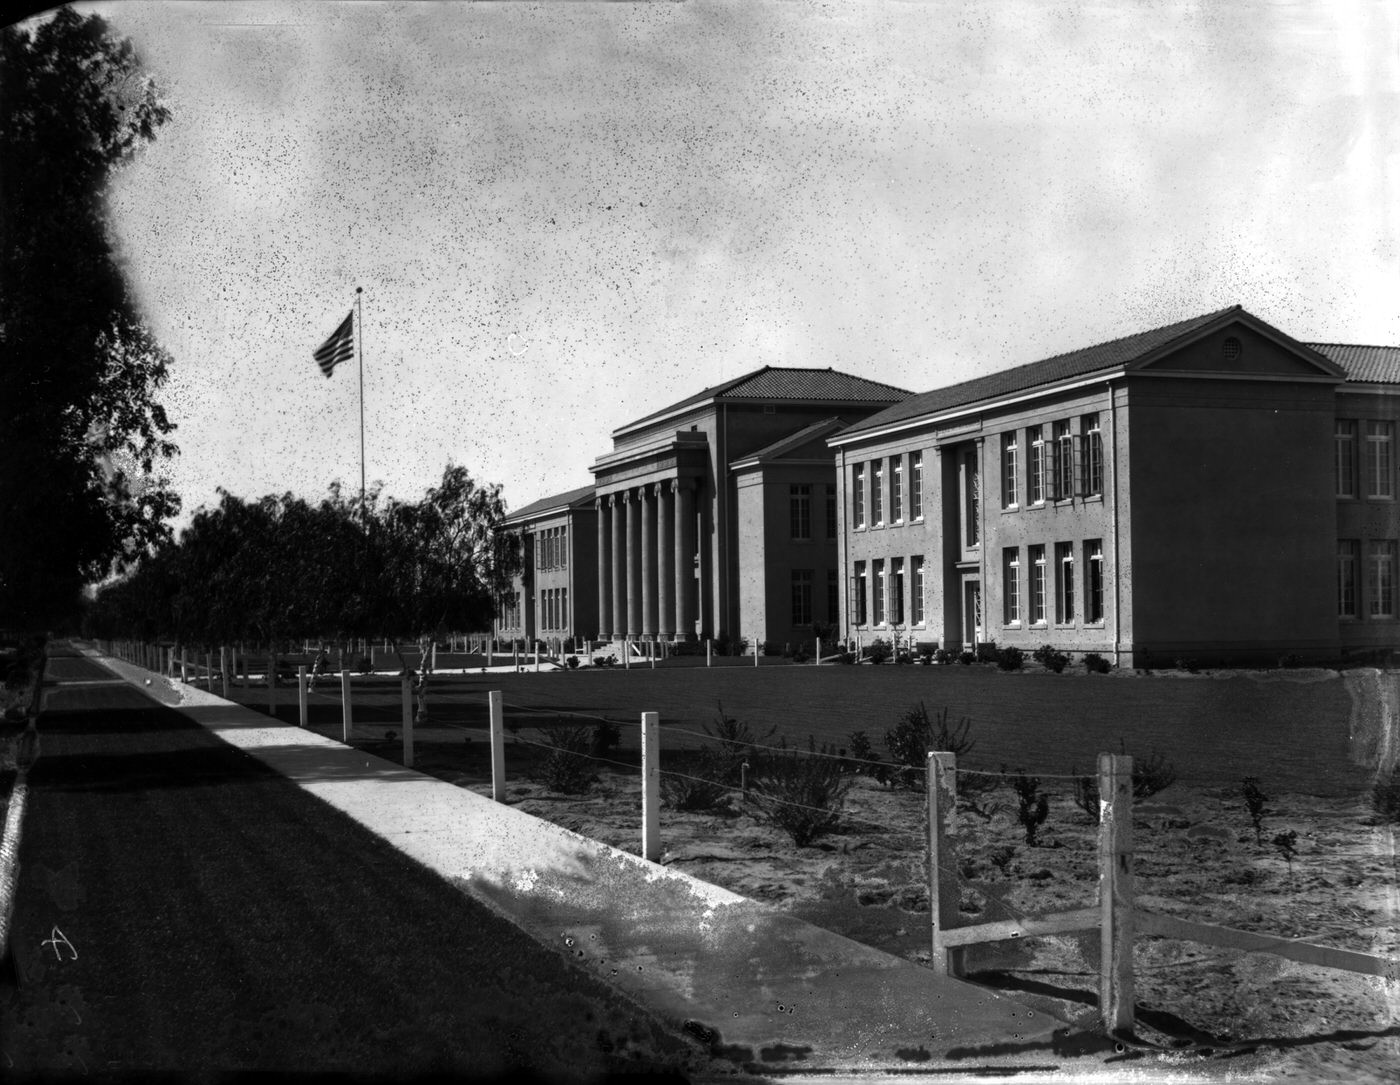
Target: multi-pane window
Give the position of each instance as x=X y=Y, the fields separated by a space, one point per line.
x=1381 y=581
x=896 y=489
x=1063 y=462
x=878 y=587
x=897 y=591
x=858 y=494
x=916 y=486
x=563 y=548
x=1037 y=559
x=972 y=499
x=1348 y=559
x=833 y=596
x=563 y=608
x=1093 y=456
x=1010 y=470
x=862 y=586
x=1011 y=585
x=1064 y=583
x=831 y=514
x=800 y=510
x=1093 y=583
x=802 y=597
x=1380 y=460
x=877 y=494
x=1035 y=439
x=1344 y=456
x=916 y=599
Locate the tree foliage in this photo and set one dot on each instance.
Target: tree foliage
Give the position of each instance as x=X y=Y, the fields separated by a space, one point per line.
x=83 y=436
x=279 y=568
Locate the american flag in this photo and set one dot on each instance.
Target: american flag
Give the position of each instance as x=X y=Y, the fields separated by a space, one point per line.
x=340 y=347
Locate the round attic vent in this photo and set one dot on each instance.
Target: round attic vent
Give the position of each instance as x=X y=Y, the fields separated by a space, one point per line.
x=1231 y=349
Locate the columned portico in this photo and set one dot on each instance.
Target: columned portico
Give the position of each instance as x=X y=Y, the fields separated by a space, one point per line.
x=646 y=561
x=605 y=567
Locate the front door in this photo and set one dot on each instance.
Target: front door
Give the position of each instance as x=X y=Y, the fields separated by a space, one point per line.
x=972 y=613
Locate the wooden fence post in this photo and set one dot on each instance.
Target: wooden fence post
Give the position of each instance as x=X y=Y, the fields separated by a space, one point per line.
x=301 y=695
x=498 y=745
x=755 y=651
x=209 y=670
x=346 y=718
x=816 y=659
x=184 y=666
x=626 y=653
x=942 y=791
x=707 y=651
x=406 y=696
x=651 y=786
x=1116 y=993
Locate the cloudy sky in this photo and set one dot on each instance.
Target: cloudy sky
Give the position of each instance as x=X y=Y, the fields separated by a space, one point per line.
x=567 y=215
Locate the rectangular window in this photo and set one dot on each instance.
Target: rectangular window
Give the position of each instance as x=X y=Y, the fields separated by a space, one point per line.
x=831 y=518
x=1035 y=438
x=897 y=591
x=1093 y=586
x=877 y=494
x=858 y=494
x=1064 y=462
x=1093 y=456
x=916 y=486
x=878 y=587
x=862 y=587
x=1382 y=578
x=563 y=608
x=916 y=600
x=1011 y=585
x=1064 y=583
x=896 y=489
x=972 y=503
x=802 y=597
x=1344 y=456
x=1348 y=559
x=800 y=510
x=833 y=596
x=1010 y=471
x=1037 y=556
x=563 y=550
x=1380 y=460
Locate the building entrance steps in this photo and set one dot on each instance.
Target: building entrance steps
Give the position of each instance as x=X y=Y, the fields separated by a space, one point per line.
x=755 y=984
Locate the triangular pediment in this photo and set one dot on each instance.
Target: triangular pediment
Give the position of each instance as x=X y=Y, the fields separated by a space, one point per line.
x=1239 y=344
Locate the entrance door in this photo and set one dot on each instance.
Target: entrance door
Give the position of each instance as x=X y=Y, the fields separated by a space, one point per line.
x=972 y=613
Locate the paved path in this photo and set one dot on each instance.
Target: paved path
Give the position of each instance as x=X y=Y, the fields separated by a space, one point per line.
x=257 y=937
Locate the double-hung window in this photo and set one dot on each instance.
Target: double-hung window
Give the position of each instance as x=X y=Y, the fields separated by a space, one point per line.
x=1064 y=462
x=1010 y=471
x=862 y=587
x=801 y=597
x=878 y=588
x=877 y=494
x=897 y=591
x=896 y=489
x=1037 y=560
x=1382 y=578
x=830 y=512
x=1093 y=456
x=1011 y=585
x=858 y=494
x=1348 y=561
x=1344 y=456
x=916 y=486
x=1093 y=582
x=1064 y=583
x=1035 y=439
x=800 y=510
x=1380 y=459
x=916 y=599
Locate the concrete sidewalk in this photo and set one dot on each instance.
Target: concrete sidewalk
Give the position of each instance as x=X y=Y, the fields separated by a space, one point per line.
x=756 y=985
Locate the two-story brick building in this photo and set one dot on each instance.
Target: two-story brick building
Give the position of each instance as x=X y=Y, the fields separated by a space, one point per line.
x=1212 y=489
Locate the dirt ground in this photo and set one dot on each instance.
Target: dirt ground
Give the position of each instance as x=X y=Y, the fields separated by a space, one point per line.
x=1215 y=1010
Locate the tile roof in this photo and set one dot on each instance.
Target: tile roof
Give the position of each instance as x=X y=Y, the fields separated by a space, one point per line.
x=1370 y=365
x=569 y=497
x=782 y=383
x=1076 y=363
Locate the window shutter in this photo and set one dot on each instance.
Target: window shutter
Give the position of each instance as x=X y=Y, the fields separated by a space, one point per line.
x=1080 y=485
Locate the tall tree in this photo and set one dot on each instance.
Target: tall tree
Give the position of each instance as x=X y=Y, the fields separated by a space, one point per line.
x=82 y=437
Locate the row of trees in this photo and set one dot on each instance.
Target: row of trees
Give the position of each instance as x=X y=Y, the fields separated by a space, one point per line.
x=279 y=569
x=82 y=435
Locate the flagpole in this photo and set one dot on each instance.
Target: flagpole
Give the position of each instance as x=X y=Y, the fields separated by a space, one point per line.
x=360 y=341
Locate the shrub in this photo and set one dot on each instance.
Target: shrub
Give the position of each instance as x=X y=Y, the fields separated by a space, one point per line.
x=1050 y=658
x=1010 y=658
x=1151 y=775
x=1385 y=796
x=564 y=767
x=1086 y=793
x=847 y=658
x=1095 y=663
x=572 y=663
x=903 y=656
x=942 y=656
x=605 y=738
x=1254 y=801
x=1033 y=805
x=1287 y=845
x=700 y=787
x=915 y=734
x=967 y=659
x=736 y=743
x=879 y=651
x=364 y=665
x=801 y=655
x=926 y=652
x=861 y=749
x=986 y=651
x=799 y=793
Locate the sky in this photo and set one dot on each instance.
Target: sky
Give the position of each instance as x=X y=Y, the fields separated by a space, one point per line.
x=565 y=216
